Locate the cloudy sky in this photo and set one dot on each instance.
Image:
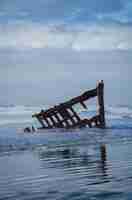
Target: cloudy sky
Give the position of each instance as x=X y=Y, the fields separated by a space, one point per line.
x=53 y=49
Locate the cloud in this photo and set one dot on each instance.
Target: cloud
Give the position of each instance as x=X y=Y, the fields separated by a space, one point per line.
x=33 y=76
x=124 y=16
x=45 y=48
x=2 y=13
x=68 y=10
x=35 y=35
x=55 y=6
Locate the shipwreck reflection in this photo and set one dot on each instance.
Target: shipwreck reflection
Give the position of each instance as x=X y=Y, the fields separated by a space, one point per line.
x=103 y=158
x=76 y=159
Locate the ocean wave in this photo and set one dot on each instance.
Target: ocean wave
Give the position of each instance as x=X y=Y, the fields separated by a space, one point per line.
x=23 y=114
x=14 y=140
x=18 y=110
x=119 y=112
x=111 y=112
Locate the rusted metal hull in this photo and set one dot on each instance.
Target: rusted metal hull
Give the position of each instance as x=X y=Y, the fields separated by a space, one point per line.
x=65 y=116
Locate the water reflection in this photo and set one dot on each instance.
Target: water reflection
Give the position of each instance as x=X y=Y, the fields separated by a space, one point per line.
x=84 y=161
x=103 y=159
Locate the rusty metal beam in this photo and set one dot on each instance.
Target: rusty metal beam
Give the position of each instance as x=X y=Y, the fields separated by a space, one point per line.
x=64 y=115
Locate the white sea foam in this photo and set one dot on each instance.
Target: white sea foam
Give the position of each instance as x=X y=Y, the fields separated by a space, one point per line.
x=17 y=114
x=119 y=112
x=18 y=110
x=11 y=125
x=23 y=114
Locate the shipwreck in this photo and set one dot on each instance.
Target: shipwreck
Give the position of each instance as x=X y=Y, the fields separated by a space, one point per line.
x=64 y=115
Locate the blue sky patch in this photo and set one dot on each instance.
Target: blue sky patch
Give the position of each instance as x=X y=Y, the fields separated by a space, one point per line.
x=66 y=10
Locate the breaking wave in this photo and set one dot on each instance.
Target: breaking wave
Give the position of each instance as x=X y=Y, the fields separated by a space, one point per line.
x=22 y=114
x=14 y=118
x=12 y=140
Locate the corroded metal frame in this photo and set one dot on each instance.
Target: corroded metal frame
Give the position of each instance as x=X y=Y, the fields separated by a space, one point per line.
x=65 y=116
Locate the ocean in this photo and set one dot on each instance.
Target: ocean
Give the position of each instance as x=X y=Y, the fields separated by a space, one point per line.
x=63 y=164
